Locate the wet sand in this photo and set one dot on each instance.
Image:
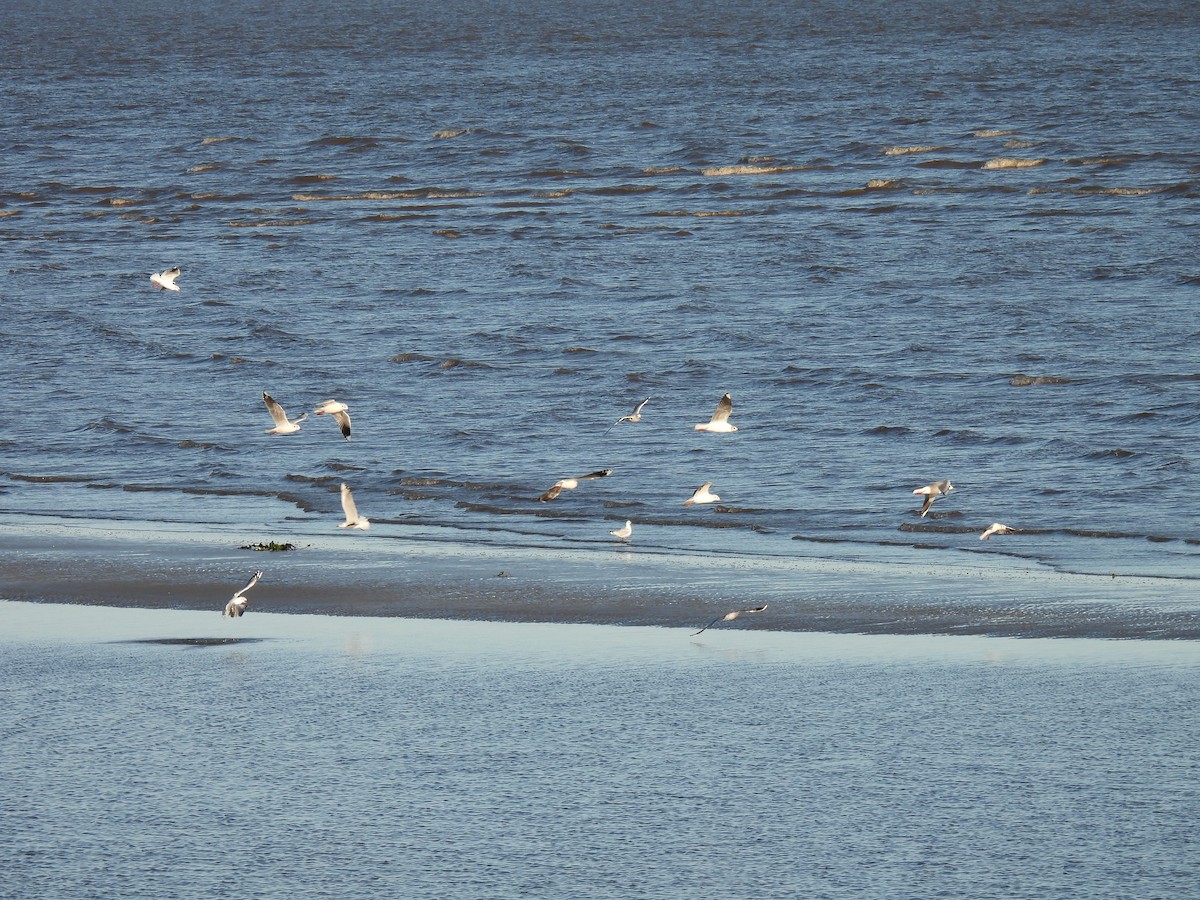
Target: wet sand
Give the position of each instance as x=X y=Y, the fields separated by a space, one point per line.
x=413 y=576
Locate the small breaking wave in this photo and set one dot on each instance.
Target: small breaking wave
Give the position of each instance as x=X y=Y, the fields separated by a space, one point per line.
x=1013 y=162
x=746 y=169
x=906 y=151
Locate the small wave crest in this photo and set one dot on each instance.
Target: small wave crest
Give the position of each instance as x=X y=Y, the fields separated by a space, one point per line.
x=1013 y=162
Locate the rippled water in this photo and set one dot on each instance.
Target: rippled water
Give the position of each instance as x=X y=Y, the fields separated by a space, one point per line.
x=353 y=757
x=940 y=242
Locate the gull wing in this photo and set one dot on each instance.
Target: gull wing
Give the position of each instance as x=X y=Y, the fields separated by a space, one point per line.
x=552 y=493
x=600 y=473
x=343 y=420
x=724 y=408
x=253 y=581
x=348 y=506
x=275 y=410
x=171 y=274
x=638 y=410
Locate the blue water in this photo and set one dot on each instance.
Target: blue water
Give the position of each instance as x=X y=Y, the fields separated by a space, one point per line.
x=917 y=242
x=326 y=757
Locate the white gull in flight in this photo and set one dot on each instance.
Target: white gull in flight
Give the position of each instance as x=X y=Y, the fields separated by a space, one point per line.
x=240 y=601
x=569 y=484
x=339 y=413
x=932 y=492
x=720 y=418
x=635 y=416
x=353 y=519
x=729 y=617
x=996 y=528
x=702 y=494
x=166 y=280
x=624 y=531
x=283 y=425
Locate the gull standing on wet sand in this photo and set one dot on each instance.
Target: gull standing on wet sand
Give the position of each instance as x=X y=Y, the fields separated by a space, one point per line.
x=166 y=280
x=635 y=416
x=569 y=484
x=932 y=492
x=353 y=519
x=720 y=418
x=240 y=601
x=339 y=413
x=624 y=532
x=283 y=425
x=996 y=528
x=702 y=494
x=729 y=617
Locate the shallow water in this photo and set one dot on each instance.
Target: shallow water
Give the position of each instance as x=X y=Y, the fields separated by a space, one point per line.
x=956 y=243
x=334 y=757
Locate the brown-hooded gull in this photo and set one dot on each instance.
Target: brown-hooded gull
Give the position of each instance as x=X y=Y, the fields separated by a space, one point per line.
x=702 y=494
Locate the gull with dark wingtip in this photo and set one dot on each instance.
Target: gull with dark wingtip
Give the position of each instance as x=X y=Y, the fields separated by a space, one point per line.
x=340 y=414
x=635 y=416
x=720 y=418
x=729 y=617
x=569 y=484
x=283 y=425
x=240 y=601
x=932 y=492
x=166 y=280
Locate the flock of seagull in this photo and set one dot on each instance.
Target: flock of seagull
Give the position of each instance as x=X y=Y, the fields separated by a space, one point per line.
x=718 y=423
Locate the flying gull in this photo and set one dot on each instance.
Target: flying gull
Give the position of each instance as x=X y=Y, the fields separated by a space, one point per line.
x=702 y=494
x=720 y=418
x=996 y=528
x=240 y=601
x=569 y=484
x=729 y=617
x=339 y=413
x=635 y=416
x=353 y=519
x=932 y=492
x=283 y=425
x=624 y=532
x=166 y=280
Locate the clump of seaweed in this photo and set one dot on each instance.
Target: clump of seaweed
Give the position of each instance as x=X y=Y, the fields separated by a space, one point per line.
x=269 y=546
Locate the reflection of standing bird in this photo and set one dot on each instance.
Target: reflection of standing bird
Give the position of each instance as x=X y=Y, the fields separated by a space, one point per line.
x=702 y=494
x=635 y=416
x=932 y=492
x=240 y=601
x=353 y=519
x=339 y=413
x=624 y=532
x=283 y=425
x=996 y=528
x=730 y=616
x=720 y=418
x=569 y=484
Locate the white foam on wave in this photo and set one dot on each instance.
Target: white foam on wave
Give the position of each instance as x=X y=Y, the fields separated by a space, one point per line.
x=1012 y=162
x=993 y=132
x=915 y=148
x=742 y=169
